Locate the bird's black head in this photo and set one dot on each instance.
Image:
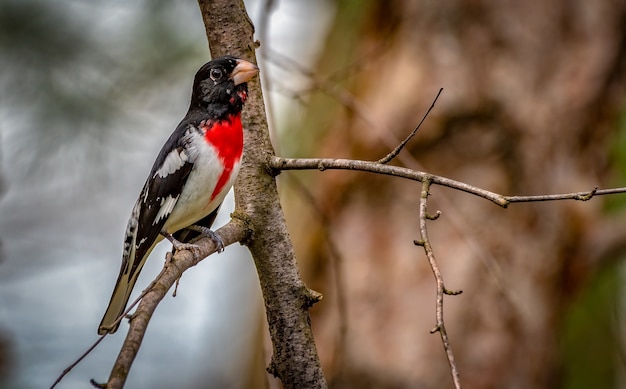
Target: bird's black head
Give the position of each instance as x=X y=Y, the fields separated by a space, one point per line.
x=220 y=86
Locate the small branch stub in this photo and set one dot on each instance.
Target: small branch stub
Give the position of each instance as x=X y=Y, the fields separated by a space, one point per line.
x=433 y=217
x=452 y=292
x=588 y=196
x=312 y=297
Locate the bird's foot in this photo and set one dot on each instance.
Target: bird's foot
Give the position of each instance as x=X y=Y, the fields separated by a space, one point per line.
x=178 y=245
x=205 y=231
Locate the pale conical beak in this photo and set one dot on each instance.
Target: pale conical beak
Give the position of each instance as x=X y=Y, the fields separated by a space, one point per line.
x=244 y=71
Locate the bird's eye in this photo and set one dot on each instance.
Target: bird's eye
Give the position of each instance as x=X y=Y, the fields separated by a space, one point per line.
x=215 y=74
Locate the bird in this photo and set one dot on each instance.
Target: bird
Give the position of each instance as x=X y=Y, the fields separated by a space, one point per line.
x=190 y=177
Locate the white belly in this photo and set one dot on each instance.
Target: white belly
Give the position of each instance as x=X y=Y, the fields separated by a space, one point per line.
x=195 y=202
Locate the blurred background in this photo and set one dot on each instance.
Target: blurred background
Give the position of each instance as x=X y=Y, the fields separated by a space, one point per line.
x=90 y=92
x=534 y=102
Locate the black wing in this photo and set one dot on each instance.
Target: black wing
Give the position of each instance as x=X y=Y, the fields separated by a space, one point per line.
x=162 y=189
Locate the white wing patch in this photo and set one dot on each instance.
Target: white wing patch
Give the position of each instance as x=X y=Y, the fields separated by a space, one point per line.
x=174 y=161
x=167 y=205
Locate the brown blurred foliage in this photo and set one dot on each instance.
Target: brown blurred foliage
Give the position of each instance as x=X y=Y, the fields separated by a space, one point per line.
x=532 y=96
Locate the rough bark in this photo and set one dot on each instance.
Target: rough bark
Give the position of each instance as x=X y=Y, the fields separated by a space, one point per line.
x=287 y=299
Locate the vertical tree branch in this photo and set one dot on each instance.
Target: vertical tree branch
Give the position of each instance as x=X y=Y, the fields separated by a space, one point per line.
x=441 y=289
x=287 y=299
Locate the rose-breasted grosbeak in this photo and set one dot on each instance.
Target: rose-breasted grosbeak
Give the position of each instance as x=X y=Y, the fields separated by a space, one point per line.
x=195 y=169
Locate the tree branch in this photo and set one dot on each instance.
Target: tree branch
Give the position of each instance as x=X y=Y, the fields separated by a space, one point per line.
x=387 y=158
x=235 y=231
x=581 y=196
x=287 y=299
x=441 y=289
x=321 y=164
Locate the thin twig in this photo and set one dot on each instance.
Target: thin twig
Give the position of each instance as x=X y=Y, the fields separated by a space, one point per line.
x=441 y=289
x=580 y=196
x=322 y=164
x=387 y=137
x=406 y=140
x=97 y=342
x=331 y=87
x=73 y=365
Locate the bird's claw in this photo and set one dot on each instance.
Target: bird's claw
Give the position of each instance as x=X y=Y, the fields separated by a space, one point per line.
x=178 y=245
x=205 y=231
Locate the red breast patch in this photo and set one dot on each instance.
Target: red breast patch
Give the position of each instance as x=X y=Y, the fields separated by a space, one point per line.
x=227 y=138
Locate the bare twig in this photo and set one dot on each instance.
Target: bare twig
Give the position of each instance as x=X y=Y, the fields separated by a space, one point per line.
x=441 y=289
x=396 y=151
x=120 y=318
x=581 y=196
x=70 y=367
x=322 y=164
x=331 y=87
x=387 y=137
x=234 y=231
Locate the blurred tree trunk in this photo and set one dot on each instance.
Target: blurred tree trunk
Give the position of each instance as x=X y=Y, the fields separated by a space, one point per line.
x=532 y=93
